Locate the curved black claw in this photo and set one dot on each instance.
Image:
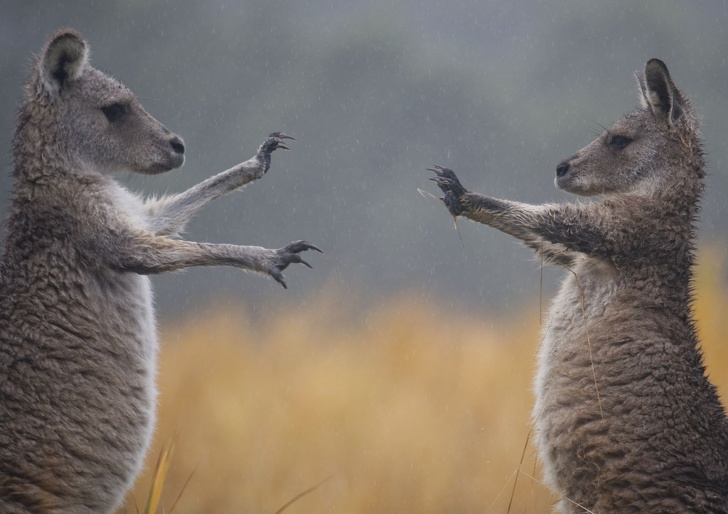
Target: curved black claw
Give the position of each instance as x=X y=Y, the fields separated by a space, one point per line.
x=275 y=141
x=289 y=255
x=450 y=185
x=281 y=135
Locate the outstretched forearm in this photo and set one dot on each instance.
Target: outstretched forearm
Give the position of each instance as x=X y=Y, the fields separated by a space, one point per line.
x=168 y=215
x=558 y=232
x=558 y=229
x=147 y=254
x=153 y=255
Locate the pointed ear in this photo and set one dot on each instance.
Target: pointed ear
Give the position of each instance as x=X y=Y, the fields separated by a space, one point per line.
x=640 y=76
x=659 y=92
x=63 y=60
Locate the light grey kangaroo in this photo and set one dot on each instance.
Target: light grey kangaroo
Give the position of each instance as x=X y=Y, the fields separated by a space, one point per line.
x=77 y=331
x=625 y=417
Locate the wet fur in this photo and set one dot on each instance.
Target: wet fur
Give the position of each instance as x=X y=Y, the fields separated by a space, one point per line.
x=78 y=341
x=625 y=418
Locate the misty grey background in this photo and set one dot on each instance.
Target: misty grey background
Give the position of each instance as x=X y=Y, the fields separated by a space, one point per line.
x=375 y=92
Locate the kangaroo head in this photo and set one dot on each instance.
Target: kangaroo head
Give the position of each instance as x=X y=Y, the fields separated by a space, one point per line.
x=97 y=123
x=632 y=155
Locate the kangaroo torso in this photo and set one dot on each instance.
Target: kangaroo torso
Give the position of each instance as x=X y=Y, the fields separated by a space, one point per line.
x=79 y=345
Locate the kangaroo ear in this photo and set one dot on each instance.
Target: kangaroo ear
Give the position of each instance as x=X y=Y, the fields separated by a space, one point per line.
x=640 y=76
x=659 y=92
x=63 y=60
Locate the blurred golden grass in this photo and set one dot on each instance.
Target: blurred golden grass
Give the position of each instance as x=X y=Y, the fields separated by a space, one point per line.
x=407 y=407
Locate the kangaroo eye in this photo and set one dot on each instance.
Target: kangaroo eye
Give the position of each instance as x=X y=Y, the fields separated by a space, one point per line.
x=114 y=111
x=619 y=142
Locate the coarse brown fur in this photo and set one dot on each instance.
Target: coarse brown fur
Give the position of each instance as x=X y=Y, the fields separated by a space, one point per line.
x=77 y=331
x=626 y=419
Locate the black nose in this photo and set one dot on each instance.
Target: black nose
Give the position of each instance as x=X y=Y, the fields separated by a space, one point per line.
x=177 y=145
x=562 y=169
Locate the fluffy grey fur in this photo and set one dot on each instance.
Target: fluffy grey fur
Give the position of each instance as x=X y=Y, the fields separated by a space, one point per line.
x=77 y=332
x=625 y=417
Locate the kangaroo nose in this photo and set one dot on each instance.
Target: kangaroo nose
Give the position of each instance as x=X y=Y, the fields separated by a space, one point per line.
x=562 y=169
x=177 y=145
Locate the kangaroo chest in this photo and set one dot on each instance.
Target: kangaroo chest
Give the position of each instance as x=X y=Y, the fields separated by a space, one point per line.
x=565 y=385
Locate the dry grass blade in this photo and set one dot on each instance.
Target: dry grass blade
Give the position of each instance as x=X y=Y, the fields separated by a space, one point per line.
x=578 y=505
x=503 y=488
x=457 y=229
x=302 y=494
x=184 y=486
x=588 y=339
x=160 y=475
x=425 y=194
x=518 y=471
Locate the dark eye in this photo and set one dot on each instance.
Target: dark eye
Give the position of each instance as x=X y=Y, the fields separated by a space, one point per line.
x=114 y=111
x=619 y=142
